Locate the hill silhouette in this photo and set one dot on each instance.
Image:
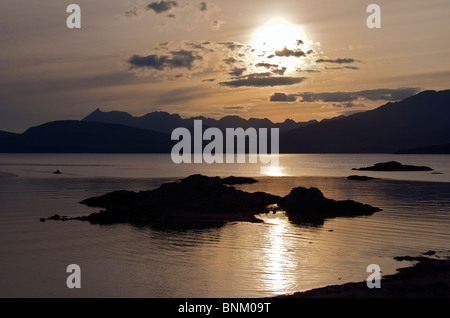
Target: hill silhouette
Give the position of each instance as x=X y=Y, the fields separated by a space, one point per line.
x=418 y=124
x=71 y=136
x=166 y=123
x=417 y=121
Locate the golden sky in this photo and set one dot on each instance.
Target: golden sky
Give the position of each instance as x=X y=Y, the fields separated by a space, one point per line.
x=253 y=58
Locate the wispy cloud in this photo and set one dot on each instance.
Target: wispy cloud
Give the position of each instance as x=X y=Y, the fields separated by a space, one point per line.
x=337 y=61
x=263 y=81
x=347 y=99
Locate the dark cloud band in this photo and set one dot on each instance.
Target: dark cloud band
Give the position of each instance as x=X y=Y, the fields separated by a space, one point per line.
x=337 y=61
x=264 y=81
x=162 y=6
x=179 y=59
x=346 y=98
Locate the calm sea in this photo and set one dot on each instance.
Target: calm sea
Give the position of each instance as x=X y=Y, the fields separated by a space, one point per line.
x=238 y=259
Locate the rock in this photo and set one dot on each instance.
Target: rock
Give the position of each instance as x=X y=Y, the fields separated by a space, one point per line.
x=304 y=205
x=393 y=166
x=196 y=197
x=238 y=180
x=360 y=178
x=200 y=199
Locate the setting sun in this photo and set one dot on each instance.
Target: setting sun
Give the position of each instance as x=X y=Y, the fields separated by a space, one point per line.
x=277 y=35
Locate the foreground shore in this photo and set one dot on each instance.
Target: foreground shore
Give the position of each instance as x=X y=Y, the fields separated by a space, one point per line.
x=429 y=278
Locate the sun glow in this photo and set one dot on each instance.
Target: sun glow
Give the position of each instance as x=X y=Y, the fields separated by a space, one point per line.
x=276 y=35
x=280 y=47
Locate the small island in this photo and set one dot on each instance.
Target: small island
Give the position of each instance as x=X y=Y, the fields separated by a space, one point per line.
x=200 y=199
x=393 y=166
x=304 y=205
x=359 y=178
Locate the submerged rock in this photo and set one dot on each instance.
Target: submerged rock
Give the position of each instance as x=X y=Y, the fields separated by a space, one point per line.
x=394 y=166
x=304 y=205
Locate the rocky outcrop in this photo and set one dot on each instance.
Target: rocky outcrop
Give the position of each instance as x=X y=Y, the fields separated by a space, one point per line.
x=238 y=180
x=304 y=205
x=394 y=166
x=196 y=197
x=359 y=178
x=199 y=199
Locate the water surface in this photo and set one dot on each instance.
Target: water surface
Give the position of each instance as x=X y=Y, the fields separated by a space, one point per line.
x=238 y=259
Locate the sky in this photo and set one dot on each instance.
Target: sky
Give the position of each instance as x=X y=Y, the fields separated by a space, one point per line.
x=293 y=59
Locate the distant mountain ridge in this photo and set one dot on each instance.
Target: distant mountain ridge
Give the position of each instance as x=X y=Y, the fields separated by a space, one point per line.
x=166 y=122
x=418 y=124
x=73 y=136
x=417 y=121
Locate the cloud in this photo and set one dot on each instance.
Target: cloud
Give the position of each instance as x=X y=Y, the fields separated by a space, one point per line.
x=132 y=13
x=282 y=97
x=232 y=45
x=337 y=61
x=216 y=25
x=372 y=95
x=285 y=52
x=266 y=65
x=179 y=59
x=343 y=68
x=307 y=71
x=162 y=6
x=347 y=105
x=259 y=80
x=279 y=71
x=233 y=107
x=238 y=71
x=203 y=6
x=230 y=60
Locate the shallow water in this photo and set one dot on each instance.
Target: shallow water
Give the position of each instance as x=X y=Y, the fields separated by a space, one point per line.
x=238 y=259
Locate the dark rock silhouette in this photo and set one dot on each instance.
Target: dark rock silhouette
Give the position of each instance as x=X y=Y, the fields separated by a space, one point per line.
x=304 y=205
x=195 y=197
x=201 y=199
x=238 y=180
x=428 y=278
x=394 y=166
x=359 y=178
x=57 y=172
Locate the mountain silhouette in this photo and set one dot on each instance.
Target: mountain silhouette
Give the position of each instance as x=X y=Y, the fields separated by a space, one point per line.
x=418 y=124
x=71 y=136
x=436 y=149
x=418 y=121
x=166 y=123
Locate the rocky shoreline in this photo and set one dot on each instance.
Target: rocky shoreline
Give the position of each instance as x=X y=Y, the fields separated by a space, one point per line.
x=429 y=278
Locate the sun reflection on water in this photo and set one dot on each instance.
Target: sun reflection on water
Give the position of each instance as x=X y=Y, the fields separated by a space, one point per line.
x=272 y=171
x=278 y=264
